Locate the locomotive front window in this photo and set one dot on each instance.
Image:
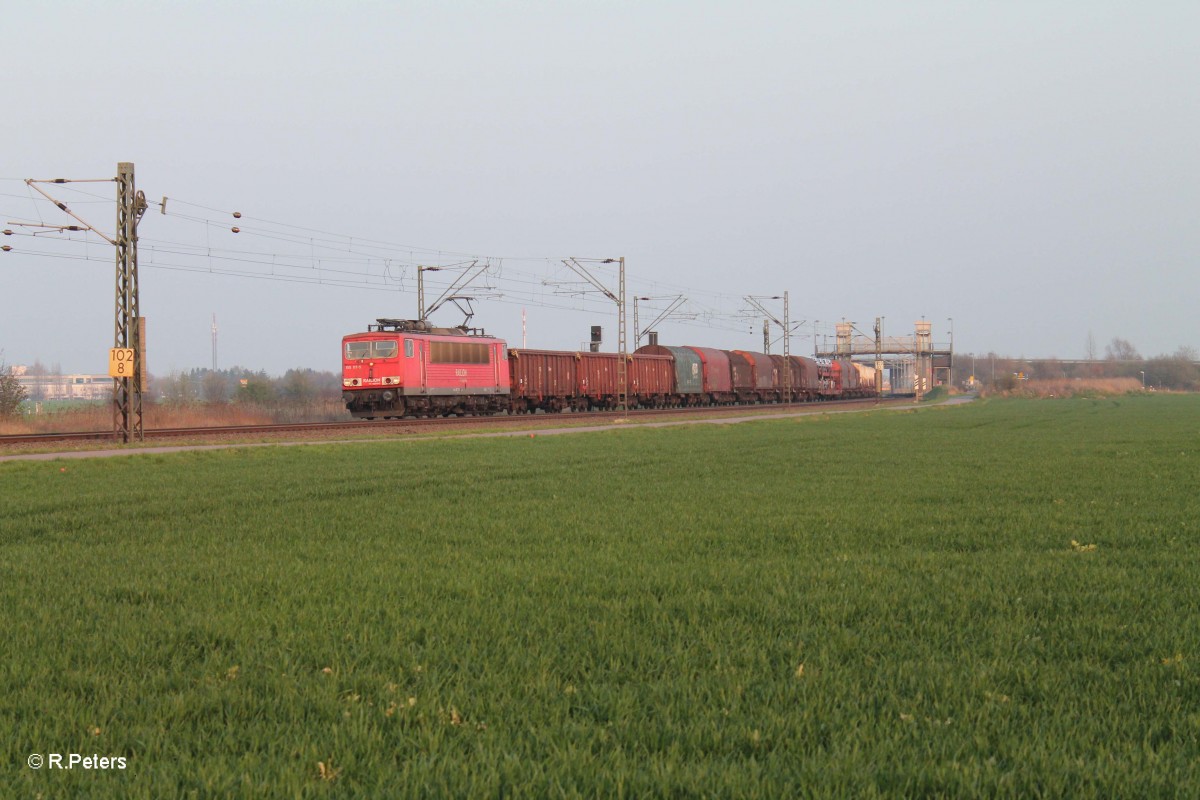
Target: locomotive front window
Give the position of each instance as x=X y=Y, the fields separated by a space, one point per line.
x=384 y=349
x=357 y=351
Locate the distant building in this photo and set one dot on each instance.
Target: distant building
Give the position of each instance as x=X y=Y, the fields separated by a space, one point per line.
x=64 y=387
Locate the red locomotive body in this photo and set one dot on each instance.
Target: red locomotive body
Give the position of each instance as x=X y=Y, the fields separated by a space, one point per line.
x=401 y=367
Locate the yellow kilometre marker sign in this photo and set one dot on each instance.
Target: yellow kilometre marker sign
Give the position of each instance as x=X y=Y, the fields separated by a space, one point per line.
x=120 y=362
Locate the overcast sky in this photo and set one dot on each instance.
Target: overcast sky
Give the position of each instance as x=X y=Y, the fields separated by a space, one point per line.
x=1029 y=169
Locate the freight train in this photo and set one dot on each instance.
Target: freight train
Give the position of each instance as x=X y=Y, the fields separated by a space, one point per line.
x=401 y=368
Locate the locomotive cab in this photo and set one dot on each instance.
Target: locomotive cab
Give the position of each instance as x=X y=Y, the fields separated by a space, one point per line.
x=372 y=374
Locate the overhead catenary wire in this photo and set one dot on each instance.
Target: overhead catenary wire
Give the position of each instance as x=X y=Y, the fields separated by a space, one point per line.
x=457 y=254
x=348 y=242
x=383 y=265
x=323 y=275
x=702 y=319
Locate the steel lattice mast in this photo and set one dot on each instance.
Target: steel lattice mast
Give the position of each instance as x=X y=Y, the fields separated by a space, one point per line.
x=127 y=392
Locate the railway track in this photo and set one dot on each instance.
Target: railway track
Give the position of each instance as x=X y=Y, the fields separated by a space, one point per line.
x=417 y=425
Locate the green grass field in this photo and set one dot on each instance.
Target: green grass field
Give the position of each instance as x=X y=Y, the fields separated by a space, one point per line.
x=998 y=599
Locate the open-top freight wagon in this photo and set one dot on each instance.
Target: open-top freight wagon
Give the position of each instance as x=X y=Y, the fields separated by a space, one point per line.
x=549 y=380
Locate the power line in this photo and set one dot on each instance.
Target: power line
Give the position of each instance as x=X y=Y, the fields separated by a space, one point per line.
x=349 y=243
x=328 y=258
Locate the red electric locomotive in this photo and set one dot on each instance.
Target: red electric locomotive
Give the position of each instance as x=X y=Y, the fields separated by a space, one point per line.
x=409 y=368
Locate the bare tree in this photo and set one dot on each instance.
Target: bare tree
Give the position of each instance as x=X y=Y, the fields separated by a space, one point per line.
x=1090 y=347
x=1121 y=350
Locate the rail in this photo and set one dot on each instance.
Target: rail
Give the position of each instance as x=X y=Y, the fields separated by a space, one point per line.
x=408 y=425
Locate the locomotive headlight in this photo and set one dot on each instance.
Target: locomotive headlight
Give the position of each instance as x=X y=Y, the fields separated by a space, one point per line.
x=347 y=382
